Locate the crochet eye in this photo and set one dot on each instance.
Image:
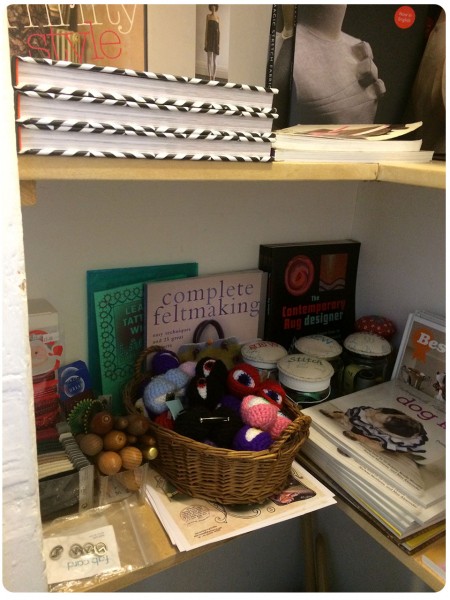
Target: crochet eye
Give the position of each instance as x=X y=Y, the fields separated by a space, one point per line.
x=244 y=378
x=208 y=367
x=202 y=388
x=273 y=395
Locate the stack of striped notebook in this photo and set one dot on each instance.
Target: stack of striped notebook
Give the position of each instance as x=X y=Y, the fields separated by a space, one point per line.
x=69 y=109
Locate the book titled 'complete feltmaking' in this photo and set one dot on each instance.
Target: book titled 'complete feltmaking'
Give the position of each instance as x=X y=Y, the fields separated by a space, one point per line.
x=311 y=289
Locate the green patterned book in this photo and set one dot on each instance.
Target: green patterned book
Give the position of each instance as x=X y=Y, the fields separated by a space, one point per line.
x=115 y=322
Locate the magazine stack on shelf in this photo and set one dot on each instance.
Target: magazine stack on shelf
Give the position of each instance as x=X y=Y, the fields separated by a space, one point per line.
x=70 y=109
x=351 y=143
x=384 y=446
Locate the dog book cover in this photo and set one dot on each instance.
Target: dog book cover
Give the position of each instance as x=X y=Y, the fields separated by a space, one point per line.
x=311 y=289
x=386 y=445
x=389 y=440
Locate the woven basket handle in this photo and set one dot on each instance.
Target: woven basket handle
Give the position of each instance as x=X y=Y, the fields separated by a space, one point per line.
x=142 y=359
x=203 y=325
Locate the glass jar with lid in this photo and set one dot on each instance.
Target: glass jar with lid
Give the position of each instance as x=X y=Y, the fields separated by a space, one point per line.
x=264 y=356
x=366 y=361
x=326 y=348
x=306 y=380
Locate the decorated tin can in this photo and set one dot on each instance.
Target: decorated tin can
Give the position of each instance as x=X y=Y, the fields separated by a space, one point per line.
x=307 y=380
x=264 y=356
x=366 y=361
x=326 y=348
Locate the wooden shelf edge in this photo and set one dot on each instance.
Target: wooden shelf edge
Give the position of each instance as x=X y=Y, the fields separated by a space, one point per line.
x=90 y=169
x=59 y=168
x=412 y=562
x=432 y=175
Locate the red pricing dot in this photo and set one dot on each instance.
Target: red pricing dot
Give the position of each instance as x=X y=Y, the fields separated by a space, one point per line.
x=404 y=17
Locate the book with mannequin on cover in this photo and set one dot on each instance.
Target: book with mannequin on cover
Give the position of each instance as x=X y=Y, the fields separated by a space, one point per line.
x=352 y=47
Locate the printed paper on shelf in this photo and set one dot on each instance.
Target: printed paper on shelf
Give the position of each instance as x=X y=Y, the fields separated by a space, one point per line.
x=359 y=143
x=311 y=289
x=194 y=522
x=174 y=309
x=410 y=544
x=400 y=523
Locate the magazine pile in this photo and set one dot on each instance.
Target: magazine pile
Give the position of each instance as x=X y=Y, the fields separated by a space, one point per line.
x=70 y=109
x=351 y=143
x=194 y=522
x=384 y=447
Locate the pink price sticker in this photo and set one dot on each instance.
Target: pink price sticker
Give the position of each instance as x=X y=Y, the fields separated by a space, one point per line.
x=404 y=17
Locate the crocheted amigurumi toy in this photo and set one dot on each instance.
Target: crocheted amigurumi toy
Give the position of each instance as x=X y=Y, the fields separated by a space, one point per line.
x=204 y=391
x=258 y=412
x=251 y=438
x=194 y=423
x=272 y=391
x=279 y=425
x=162 y=388
x=226 y=426
x=163 y=360
x=212 y=367
x=243 y=379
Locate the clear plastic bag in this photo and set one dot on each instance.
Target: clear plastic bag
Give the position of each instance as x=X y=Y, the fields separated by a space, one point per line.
x=98 y=546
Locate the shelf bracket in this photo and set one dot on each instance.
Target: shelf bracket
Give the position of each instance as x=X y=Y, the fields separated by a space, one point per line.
x=28 y=193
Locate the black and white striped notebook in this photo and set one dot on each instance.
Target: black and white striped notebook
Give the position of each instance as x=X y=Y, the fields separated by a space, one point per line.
x=57 y=105
x=45 y=136
x=42 y=71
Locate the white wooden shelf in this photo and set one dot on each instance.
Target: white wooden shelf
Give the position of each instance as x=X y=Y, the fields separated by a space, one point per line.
x=39 y=168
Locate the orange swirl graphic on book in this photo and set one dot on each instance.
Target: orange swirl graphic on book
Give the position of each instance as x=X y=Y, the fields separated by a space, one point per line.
x=299 y=275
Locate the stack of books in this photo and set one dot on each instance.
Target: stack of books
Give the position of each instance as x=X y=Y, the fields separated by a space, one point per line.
x=66 y=477
x=70 y=109
x=384 y=446
x=351 y=143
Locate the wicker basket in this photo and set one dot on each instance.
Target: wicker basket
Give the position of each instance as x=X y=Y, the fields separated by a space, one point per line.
x=219 y=474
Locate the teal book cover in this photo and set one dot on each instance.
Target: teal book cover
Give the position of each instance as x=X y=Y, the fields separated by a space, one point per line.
x=115 y=321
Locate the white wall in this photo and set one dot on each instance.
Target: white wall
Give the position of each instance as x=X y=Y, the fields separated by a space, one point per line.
x=402 y=262
x=23 y=565
x=78 y=226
